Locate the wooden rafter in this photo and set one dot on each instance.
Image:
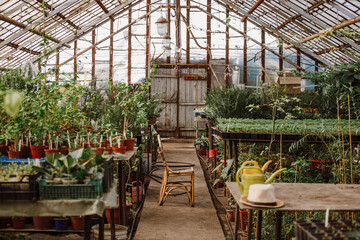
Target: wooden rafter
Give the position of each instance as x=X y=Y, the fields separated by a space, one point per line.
x=327 y=50
x=292 y=19
x=252 y=9
x=21 y=25
x=272 y=31
x=60 y=15
x=104 y=8
x=336 y=27
x=16 y=46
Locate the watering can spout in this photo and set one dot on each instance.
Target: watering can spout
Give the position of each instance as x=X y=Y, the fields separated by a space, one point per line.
x=270 y=179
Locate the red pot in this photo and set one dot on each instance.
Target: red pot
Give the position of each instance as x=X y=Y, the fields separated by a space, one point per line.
x=64 y=151
x=121 y=149
x=117 y=214
x=51 y=151
x=18 y=222
x=42 y=222
x=134 y=192
x=37 y=151
x=243 y=219
x=129 y=143
x=152 y=120
x=14 y=154
x=109 y=149
x=230 y=215
x=99 y=150
x=78 y=222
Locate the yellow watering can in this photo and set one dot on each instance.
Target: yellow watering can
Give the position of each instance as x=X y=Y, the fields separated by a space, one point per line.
x=253 y=175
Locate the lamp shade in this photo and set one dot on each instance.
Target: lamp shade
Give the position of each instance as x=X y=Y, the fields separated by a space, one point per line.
x=167 y=51
x=166 y=41
x=161 y=25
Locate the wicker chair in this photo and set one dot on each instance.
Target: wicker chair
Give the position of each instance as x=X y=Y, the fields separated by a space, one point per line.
x=168 y=186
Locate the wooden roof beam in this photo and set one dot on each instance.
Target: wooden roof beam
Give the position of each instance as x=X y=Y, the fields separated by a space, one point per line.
x=60 y=15
x=104 y=8
x=33 y=30
x=16 y=46
x=252 y=9
x=327 y=50
x=292 y=19
x=336 y=27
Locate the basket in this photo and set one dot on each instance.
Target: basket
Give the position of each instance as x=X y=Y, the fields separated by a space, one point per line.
x=20 y=190
x=72 y=191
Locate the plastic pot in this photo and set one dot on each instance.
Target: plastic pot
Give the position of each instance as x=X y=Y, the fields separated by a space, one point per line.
x=18 y=222
x=14 y=154
x=42 y=222
x=129 y=143
x=121 y=149
x=78 y=222
x=61 y=223
x=37 y=151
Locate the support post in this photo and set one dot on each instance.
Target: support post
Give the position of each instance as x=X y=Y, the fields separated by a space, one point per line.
x=262 y=55
x=168 y=59
x=316 y=66
x=250 y=222
x=75 y=60
x=111 y=51
x=147 y=47
x=188 y=32
x=227 y=37
x=259 y=223
x=298 y=58
x=281 y=61
x=208 y=42
x=129 y=46
x=278 y=215
x=236 y=155
x=245 y=54
x=93 y=52
x=237 y=218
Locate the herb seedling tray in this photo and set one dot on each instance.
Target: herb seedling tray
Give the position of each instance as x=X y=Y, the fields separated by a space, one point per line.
x=313 y=230
x=72 y=191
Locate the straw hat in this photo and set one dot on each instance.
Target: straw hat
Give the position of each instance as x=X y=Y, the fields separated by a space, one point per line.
x=261 y=195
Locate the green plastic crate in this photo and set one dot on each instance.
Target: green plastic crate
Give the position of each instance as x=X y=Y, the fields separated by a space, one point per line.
x=72 y=191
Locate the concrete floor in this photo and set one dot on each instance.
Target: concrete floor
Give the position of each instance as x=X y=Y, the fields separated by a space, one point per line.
x=176 y=219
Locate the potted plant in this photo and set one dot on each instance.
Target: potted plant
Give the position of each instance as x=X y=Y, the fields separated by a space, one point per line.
x=18 y=222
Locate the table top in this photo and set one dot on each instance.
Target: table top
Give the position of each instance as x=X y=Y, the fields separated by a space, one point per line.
x=127 y=156
x=310 y=196
x=62 y=208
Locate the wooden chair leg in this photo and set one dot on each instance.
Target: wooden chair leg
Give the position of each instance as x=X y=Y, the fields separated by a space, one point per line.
x=163 y=189
x=192 y=190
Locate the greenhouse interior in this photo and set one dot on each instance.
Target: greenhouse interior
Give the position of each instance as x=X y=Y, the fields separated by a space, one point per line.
x=179 y=119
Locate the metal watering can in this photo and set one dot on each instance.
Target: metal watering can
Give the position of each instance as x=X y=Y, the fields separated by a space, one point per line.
x=253 y=175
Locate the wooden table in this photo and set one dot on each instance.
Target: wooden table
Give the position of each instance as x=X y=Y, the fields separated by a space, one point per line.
x=64 y=207
x=310 y=197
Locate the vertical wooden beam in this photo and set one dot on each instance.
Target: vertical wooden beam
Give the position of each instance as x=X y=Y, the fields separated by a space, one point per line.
x=298 y=58
x=187 y=32
x=147 y=47
x=316 y=66
x=262 y=55
x=129 y=46
x=177 y=57
x=168 y=59
x=75 y=60
x=245 y=54
x=281 y=61
x=57 y=67
x=93 y=52
x=227 y=36
x=208 y=41
x=111 y=51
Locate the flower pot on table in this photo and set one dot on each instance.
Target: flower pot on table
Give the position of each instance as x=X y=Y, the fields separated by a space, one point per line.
x=18 y=222
x=78 y=222
x=129 y=143
x=14 y=154
x=42 y=222
x=37 y=151
x=61 y=223
x=121 y=149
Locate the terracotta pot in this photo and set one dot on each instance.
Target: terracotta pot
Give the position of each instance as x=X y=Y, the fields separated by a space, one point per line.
x=121 y=149
x=243 y=219
x=117 y=214
x=78 y=222
x=4 y=149
x=134 y=192
x=37 y=151
x=18 y=222
x=99 y=150
x=25 y=151
x=51 y=151
x=152 y=120
x=4 y=221
x=109 y=149
x=14 y=154
x=129 y=143
x=230 y=215
x=42 y=222
x=64 y=151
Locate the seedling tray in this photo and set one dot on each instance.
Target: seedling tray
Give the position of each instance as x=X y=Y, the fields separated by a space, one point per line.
x=72 y=191
x=313 y=230
x=27 y=189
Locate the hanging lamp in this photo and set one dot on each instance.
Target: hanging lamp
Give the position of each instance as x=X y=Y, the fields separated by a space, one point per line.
x=161 y=25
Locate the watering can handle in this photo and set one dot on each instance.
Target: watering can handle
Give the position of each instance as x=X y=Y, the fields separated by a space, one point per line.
x=250 y=162
x=249 y=167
